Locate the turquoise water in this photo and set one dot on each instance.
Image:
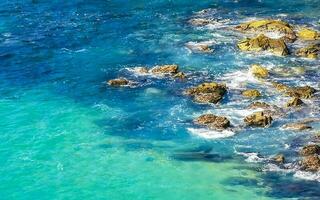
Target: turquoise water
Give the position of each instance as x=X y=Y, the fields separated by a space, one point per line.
x=65 y=134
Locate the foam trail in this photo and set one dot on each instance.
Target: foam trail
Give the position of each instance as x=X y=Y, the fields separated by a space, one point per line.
x=210 y=134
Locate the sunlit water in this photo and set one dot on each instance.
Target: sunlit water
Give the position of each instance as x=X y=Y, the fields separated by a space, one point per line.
x=65 y=134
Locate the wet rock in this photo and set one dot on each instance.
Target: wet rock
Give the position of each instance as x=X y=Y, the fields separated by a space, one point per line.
x=280 y=87
x=263 y=43
x=266 y=25
x=251 y=93
x=289 y=71
x=308 y=34
x=207 y=92
x=311 y=163
x=201 y=47
x=258 y=119
x=304 y=92
x=213 y=121
x=310 y=150
x=257 y=105
x=259 y=71
x=180 y=75
x=141 y=70
x=279 y=158
x=119 y=82
x=165 y=69
x=199 y=21
x=311 y=51
x=295 y=102
x=298 y=126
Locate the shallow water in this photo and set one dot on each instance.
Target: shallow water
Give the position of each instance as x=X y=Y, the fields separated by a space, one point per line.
x=66 y=135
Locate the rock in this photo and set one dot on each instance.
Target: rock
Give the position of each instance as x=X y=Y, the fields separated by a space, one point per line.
x=263 y=43
x=279 y=158
x=258 y=119
x=289 y=71
x=251 y=93
x=200 y=47
x=311 y=163
x=304 y=92
x=165 y=69
x=213 y=121
x=280 y=87
x=199 y=22
x=266 y=25
x=259 y=71
x=311 y=51
x=180 y=75
x=118 y=82
x=308 y=34
x=256 y=105
x=310 y=150
x=207 y=92
x=295 y=102
x=141 y=70
x=298 y=126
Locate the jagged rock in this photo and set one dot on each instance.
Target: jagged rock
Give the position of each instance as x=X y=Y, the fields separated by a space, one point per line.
x=259 y=71
x=207 y=92
x=213 y=121
x=311 y=51
x=308 y=34
x=280 y=87
x=298 y=126
x=251 y=93
x=266 y=25
x=304 y=92
x=279 y=158
x=310 y=150
x=258 y=119
x=180 y=75
x=119 y=82
x=199 y=22
x=311 y=163
x=256 y=105
x=165 y=69
x=263 y=43
x=295 y=102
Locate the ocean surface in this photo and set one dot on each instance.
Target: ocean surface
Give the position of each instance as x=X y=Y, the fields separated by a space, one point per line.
x=66 y=134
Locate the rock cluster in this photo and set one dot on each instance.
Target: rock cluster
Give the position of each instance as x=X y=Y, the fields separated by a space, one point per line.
x=207 y=92
x=212 y=121
x=311 y=160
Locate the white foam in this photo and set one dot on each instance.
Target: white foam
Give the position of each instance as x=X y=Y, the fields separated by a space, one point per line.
x=239 y=79
x=210 y=134
x=252 y=157
x=308 y=175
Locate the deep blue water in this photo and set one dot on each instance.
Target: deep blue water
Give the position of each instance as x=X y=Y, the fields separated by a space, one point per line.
x=65 y=134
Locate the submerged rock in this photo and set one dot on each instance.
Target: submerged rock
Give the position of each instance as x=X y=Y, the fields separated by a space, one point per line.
x=298 y=126
x=310 y=150
x=295 y=102
x=279 y=158
x=289 y=71
x=256 y=105
x=180 y=75
x=268 y=25
x=165 y=69
x=199 y=21
x=141 y=70
x=201 y=47
x=304 y=92
x=119 y=82
x=213 y=121
x=311 y=51
x=251 y=93
x=263 y=43
x=311 y=163
x=280 y=87
x=308 y=34
x=258 y=119
x=207 y=92
x=259 y=71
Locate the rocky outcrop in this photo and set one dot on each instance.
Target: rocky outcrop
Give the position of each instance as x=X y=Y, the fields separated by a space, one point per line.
x=280 y=87
x=263 y=43
x=308 y=34
x=259 y=71
x=310 y=150
x=200 y=47
x=165 y=70
x=258 y=119
x=119 y=82
x=279 y=159
x=266 y=25
x=257 y=105
x=295 y=102
x=180 y=75
x=311 y=163
x=298 y=126
x=304 y=92
x=311 y=51
x=213 y=121
x=207 y=92
x=251 y=93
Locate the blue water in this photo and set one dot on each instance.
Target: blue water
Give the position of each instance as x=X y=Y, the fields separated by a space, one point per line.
x=65 y=134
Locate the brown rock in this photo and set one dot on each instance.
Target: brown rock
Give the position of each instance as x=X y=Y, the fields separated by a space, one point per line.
x=213 y=121
x=279 y=158
x=165 y=69
x=251 y=93
x=208 y=97
x=295 y=102
x=280 y=87
x=311 y=51
x=199 y=22
x=310 y=150
x=118 y=82
x=258 y=119
x=207 y=92
x=311 y=163
x=297 y=126
x=180 y=75
x=259 y=71
x=256 y=105
x=304 y=92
